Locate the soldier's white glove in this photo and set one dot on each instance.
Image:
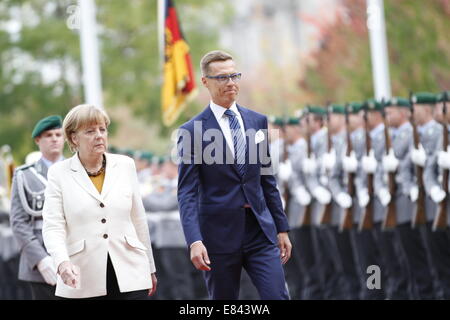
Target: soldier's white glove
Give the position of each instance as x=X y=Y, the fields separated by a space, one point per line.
x=322 y=195
x=329 y=160
x=369 y=163
x=384 y=196
x=418 y=156
x=303 y=197
x=48 y=271
x=350 y=164
x=285 y=170
x=444 y=159
x=344 y=200
x=309 y=165
x=363 y=197
x=437 y=194
x=390 y=162
x=414 y=193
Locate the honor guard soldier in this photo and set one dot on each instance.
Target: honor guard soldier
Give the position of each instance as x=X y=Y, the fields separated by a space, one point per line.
x=394 y=264
x=27 y=201
x=434 y=138
x=407 y=175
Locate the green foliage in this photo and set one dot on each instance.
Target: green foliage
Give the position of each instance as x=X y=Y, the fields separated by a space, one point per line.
x=131 y=68
x=419 y=52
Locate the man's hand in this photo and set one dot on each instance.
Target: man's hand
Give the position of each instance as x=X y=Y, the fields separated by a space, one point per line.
x=285 y=247
x=154 y=283
x=199 y=257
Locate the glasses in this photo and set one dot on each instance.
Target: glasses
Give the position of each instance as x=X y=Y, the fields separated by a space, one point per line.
x=235 y=77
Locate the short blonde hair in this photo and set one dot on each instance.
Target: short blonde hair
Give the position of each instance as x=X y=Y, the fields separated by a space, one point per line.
x=82 y=116
x=211 y=57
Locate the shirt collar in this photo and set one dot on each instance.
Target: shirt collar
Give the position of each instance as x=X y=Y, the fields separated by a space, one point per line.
x=219 y=111
x=317 y=135
x=374 y=132
x=49 y=163
x=424 y=127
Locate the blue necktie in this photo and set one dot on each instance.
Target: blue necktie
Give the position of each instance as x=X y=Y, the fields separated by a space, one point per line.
x=238 y=141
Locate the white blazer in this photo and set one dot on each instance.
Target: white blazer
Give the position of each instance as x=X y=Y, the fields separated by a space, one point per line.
x=83 y=226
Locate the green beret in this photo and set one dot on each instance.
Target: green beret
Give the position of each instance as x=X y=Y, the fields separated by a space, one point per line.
x=424 y=98
x=336 y=108
x=48 y=123
x=277 y=121
x=147 y=155
x=292 y=121
x=443 y=96
x=113 y=149
x=354 y=107
x=397 y=102
x=316 y=110
x=373 y=105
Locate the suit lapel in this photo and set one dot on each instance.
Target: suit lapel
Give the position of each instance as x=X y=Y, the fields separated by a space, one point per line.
x=41 y=168
x=80 y=176
x=111 y=175
x=210 y=122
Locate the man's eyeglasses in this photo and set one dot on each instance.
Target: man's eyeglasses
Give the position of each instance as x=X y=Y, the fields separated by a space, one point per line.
x=235 y=77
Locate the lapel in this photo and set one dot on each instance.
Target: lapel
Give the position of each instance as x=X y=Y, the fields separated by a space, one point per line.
x=80 y=176
x=41 y=168
x=210 y=122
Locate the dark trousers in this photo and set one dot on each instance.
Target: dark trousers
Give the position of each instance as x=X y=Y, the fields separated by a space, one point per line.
x=394 y=264
x=329 y=262
x=417 y=260
x=349 y=273
x=258 y=256
x=42 y=291
x=438 y=246
x=308 y=262
x=113 y=291
x=293 y=270
x=367 y=254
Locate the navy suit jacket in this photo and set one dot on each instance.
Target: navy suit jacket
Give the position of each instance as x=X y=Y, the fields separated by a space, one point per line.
x=211 y=196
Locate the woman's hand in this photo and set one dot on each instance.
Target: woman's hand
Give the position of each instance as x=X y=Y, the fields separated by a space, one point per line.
x=154 y=283
x=70 y=274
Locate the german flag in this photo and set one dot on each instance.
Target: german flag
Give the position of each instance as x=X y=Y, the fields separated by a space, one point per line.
x=179 y=82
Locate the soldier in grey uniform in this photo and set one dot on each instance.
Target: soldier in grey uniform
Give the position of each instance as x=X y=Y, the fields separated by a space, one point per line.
x=316 y=181
x=27 y=200
x=431 y=135
x=399 y=161
x=341 y=200
x=393 y=261
x=364 y=248
x=302 y=278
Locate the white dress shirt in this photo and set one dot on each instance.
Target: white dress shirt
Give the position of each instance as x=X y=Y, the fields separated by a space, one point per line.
x=222 y=119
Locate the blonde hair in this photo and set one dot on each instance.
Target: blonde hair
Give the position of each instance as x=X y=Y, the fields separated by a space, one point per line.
x=82 y=116
x=211 y=57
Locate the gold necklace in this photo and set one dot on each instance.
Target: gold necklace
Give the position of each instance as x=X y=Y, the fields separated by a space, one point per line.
x=99 y=172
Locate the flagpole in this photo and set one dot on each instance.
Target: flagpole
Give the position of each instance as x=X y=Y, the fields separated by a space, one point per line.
x=378 y=47
x=90 y=54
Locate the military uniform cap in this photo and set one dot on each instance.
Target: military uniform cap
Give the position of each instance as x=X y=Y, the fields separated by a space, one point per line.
x=292 y=121
x=397 y=102
x=354 y=107
x=317 y=110
x=278 y=121
x=424 y=98
x=373 y=105
x=48 y=123
x=336 y=108
x=443 y=96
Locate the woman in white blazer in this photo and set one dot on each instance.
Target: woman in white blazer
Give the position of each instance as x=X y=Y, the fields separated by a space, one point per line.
x=95 y=226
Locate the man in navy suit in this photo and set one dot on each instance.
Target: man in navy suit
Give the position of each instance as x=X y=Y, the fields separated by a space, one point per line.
x=230 y=207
